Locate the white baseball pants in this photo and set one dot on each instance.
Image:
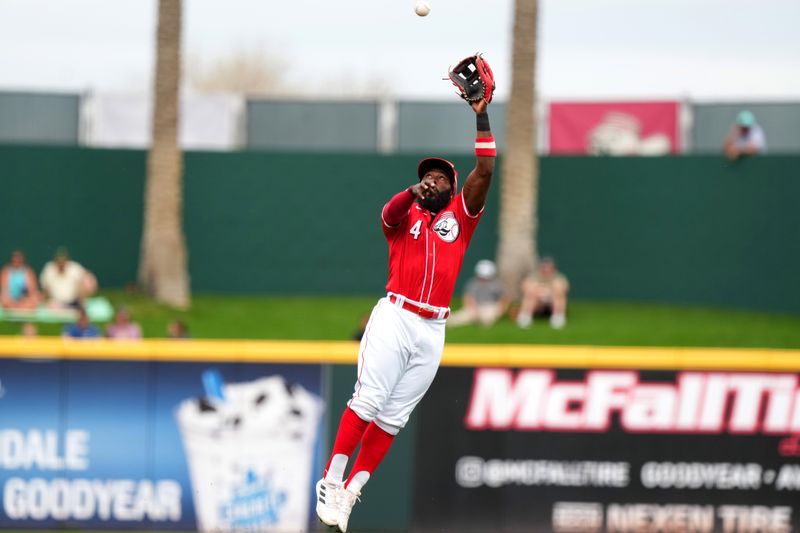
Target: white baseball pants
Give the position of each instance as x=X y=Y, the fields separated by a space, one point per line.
x=399 y=355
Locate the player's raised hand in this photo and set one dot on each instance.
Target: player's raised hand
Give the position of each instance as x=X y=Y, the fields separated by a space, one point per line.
x=473 y=78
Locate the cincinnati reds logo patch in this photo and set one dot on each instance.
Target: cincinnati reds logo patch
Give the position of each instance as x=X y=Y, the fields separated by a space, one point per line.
x=447 y=227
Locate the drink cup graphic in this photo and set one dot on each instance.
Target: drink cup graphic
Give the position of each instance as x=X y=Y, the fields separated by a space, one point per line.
x=250 y=449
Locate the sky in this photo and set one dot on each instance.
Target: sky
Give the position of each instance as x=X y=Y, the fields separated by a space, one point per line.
x=710 y=50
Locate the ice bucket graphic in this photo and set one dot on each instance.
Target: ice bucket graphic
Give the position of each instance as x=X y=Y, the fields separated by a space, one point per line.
x=250 y=449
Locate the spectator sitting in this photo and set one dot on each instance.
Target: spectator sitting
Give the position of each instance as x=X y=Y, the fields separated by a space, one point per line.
x=745 y=137
x=544 y=293
x=29 y=330
x=123 y=327
x=81 y=329
x=18 y=289
x=483 y=298
x=177 y=330
x=66 y=282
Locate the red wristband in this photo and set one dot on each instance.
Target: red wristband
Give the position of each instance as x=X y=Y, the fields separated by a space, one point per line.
x=485 y=147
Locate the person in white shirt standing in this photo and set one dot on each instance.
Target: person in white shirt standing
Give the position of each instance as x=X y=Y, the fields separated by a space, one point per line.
x=66 y=282
x=745 y=137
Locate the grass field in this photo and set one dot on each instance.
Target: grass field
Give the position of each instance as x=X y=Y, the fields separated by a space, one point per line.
x=330 y=318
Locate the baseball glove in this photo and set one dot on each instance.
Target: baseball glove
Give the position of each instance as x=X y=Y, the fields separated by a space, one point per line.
x=474 y=79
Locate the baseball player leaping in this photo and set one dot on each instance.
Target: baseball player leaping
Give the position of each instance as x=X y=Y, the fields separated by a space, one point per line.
x=428 y=227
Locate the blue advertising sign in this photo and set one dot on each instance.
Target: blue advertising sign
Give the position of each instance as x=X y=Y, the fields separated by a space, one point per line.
x=158 y=445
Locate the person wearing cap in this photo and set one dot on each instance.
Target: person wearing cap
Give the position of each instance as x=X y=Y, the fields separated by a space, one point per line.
x=66 y=282
x=427 y=227
x=483 y=298
x=745 y=137
x=544 y=293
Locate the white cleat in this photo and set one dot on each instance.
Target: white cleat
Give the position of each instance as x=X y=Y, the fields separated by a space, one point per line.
x=347 y=499
x=524 y=321
x=328 y=501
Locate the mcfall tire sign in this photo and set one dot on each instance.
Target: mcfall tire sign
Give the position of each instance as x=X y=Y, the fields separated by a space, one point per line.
x=609 y=450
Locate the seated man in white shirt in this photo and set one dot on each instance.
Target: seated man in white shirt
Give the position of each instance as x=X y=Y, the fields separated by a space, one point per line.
x=745 y=137
x=66 y=282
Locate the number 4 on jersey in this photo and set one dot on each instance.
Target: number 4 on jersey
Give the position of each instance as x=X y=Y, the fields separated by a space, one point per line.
x=415 y=229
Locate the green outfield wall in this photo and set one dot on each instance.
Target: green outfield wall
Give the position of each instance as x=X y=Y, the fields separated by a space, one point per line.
x=695 y=230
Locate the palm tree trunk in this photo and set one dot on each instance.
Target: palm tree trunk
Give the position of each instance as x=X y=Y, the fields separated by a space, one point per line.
x=163 y=261
x=516 y=254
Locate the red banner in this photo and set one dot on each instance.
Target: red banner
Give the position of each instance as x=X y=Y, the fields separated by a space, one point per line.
x=614 y=128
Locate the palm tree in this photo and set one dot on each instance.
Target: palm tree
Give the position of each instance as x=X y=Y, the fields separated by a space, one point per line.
x=516 y=254
x=163 y=263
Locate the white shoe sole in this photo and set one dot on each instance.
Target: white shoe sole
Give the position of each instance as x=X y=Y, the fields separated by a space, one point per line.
x=323 y=522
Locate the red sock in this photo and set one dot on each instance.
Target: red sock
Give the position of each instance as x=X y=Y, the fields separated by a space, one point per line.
x=351 y=428
x=374 y=445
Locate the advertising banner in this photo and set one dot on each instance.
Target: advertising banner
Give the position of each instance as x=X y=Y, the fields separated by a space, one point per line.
x=582 y=451
x=614 y=128
x=158 y=445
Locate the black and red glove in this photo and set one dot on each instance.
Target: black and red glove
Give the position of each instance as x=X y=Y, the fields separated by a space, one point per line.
x=474 y=79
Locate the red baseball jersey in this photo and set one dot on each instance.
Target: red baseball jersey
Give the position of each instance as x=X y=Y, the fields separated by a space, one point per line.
x=426 y=251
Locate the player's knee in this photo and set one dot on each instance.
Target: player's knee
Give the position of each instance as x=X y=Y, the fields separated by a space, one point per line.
x=365 y=409
x=560 y=288
x=392 y=428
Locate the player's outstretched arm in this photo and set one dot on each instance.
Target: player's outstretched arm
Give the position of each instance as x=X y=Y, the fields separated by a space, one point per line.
x=397 y=208
x=477 y=185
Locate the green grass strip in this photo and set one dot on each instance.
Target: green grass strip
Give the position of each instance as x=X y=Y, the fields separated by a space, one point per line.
x=337 y=318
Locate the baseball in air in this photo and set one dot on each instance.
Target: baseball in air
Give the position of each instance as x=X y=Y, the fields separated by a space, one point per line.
x=422 y=8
